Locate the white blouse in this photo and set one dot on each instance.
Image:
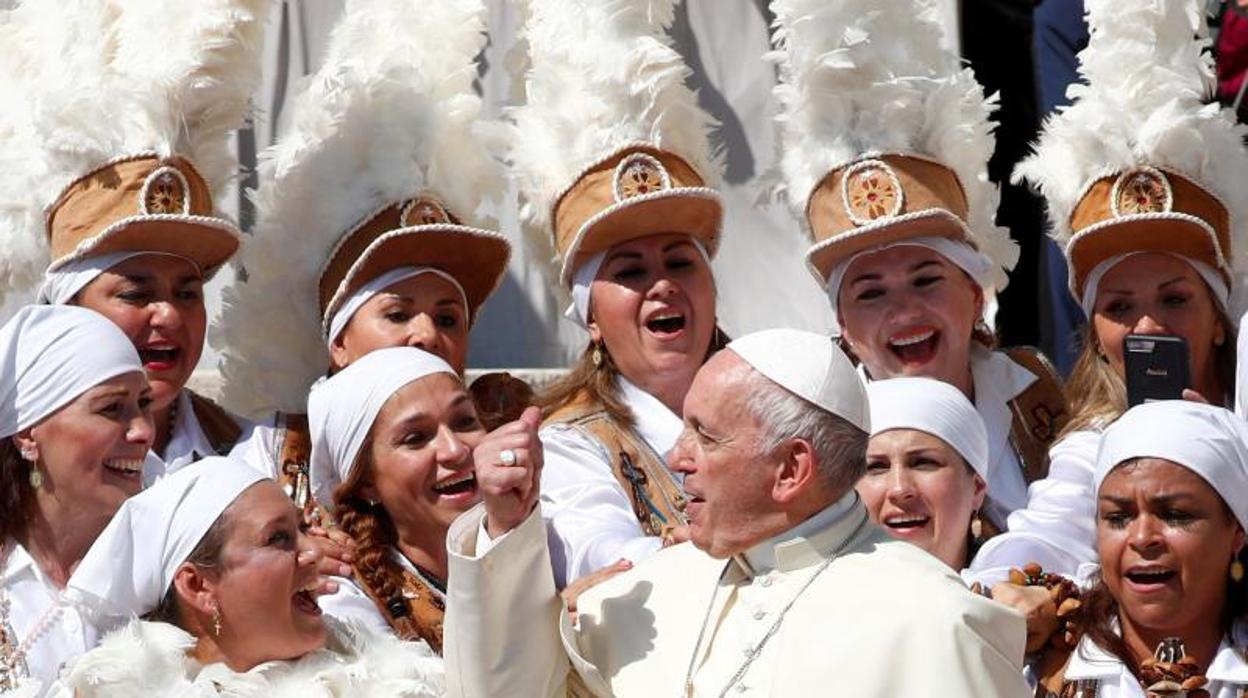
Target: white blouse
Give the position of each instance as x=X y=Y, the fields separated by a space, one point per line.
x=590 y=517
x=1228 y=674
x=188 y=442
x=1057 y=528
x=32 y=616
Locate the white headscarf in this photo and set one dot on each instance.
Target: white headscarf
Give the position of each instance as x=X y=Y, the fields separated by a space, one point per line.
x=61 y=285
x=1221 y=293
x=578 y=311
x=968 y=259
x=129 y=568
x=362 y=295
x=933 y=407
x=51 y=354
x=1210 y=441
x=342 y=408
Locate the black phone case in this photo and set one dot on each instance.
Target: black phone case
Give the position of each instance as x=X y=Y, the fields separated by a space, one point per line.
x=1157 y=368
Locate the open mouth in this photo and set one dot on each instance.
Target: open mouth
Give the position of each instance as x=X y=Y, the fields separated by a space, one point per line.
x=462 y=484
x=915 y=347
x=1149 y=576
x=906 y=522
x=305 y=599
x=666 y=323
x=125 y=467
x=159 y=357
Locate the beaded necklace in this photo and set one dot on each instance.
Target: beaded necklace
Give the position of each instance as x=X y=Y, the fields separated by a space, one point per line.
x=13 y=657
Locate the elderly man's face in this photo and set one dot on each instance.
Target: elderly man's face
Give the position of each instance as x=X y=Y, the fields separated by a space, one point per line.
x=728 y=482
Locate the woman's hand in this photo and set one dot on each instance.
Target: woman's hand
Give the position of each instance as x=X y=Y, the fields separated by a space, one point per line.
x=508 y=464
x=337 y=551
x=1036 y=605
x=574 y=590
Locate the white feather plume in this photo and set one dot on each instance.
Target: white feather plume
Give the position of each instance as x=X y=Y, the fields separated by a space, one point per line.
x=602 y=74
x=1146 y=101
x=861 y=77
x=391 y=113
x=99 y=79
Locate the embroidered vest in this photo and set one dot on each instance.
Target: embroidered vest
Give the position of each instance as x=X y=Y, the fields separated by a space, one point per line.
x=415 y=613
x=1039 y=413
x=658 y=500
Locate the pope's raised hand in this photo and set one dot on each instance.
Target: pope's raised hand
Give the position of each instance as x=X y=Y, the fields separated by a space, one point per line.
x=509 y=465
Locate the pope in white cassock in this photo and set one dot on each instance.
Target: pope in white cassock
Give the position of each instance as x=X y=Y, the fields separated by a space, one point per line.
x=785 y=588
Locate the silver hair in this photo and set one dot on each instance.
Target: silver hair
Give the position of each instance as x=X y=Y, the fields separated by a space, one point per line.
x=840 y=447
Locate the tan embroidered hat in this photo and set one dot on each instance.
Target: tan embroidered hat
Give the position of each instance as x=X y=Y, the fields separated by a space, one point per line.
x=610 y=144
x=139 y=203
x=1126 y=170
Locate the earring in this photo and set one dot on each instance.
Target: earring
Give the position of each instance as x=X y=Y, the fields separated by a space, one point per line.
x=30 y=454
x=596 y=356
x=1237 y=571
x=977 y=526
x=216 y=621
x=36 y=477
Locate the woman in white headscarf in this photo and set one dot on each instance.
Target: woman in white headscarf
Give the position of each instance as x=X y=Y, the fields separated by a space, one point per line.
x=1171 y=512
x=75 y=417
x=215 y=559
x=393 y=441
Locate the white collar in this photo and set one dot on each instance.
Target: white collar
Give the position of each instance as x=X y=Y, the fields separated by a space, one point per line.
x=188 y=442
x=996 y=376
x=809 y=541
x=1229 y=664
x=1090 y=661
x=655 y=423
x=16 y=562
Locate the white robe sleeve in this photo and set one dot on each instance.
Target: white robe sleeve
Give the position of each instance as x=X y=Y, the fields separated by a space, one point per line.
x=1057 y=529
x=501 y=632
x=591 y=518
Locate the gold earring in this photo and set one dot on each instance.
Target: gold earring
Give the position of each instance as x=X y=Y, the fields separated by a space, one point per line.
x=1237 y=571
x=977 y=526
x=36 y=477
x=596 y=356
x=216 y=621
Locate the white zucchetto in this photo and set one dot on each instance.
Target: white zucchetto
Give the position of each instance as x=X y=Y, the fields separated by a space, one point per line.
x=810 y=366
x=1210 y=441
x=342 y=409
x=51 y=354
x=129 y=568
x=933 y=407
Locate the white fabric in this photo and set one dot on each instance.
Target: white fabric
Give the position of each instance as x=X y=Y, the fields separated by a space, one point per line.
x=933 y=407
x=1227 y=674
x=812 y=367
x=910 y=625
x=29 y=595
x=150 y=660
x=583 y=279
x=60 y=286
x=967 y=258
x=342 y=408
x=998 y=380
x=1057 y=528
x=131 y=565
x=1207 y=440
x=362 y=295
x=50 y=355
x=188 y=443
x=1241 y=369
x=592 y=522
x=1221 y=293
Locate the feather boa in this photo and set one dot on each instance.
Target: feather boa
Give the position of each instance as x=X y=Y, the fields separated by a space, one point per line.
x=150 y=659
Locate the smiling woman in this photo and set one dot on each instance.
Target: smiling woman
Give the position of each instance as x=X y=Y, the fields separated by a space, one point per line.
x=220 y=567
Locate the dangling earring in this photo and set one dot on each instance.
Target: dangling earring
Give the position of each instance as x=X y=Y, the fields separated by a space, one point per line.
x=36 y=477
x=216 y=621
x=1237 y=571
x=977 y=526
x=596 y=356
x=29 y=454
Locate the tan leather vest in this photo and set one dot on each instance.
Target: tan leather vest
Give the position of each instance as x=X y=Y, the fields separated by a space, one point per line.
x=415 y=613
x=1039 y=413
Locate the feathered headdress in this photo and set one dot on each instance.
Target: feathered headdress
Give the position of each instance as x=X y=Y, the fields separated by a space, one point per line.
x=610 y=144
x=383 y=156
x=1141 y=161
x=121 y=129
x=883 y=136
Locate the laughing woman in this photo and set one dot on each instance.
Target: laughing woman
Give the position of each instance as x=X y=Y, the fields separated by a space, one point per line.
x=217 y=564
x=75 y=415
x=621 y=190
x=1153 y=238
x=902 y=215
x=1170 y=519
x=392 y=459
x=134 y=233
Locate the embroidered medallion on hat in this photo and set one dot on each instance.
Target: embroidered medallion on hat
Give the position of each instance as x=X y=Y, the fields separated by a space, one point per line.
x=1169 y=175
x=138 y=184
x=902 y=150
x=333 y=218
x=640 y=165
